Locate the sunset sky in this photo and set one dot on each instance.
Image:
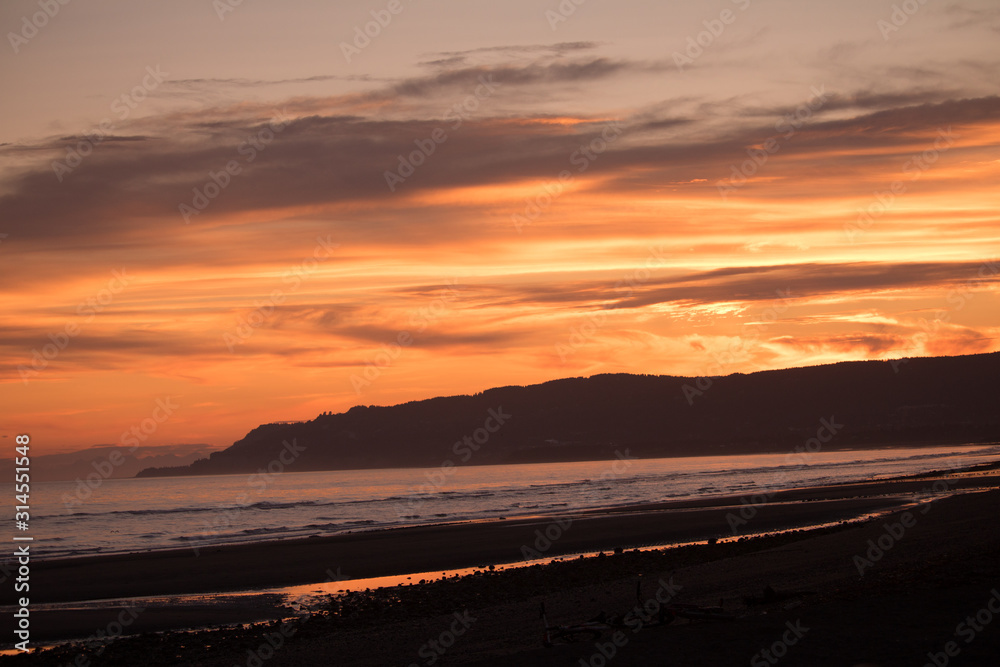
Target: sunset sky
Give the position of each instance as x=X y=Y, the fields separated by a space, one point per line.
x=257 y=212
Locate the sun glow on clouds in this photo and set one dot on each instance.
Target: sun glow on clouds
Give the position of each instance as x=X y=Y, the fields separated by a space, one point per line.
x=306 y=269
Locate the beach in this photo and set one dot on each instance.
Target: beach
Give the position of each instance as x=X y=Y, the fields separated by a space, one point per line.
x=947 y=538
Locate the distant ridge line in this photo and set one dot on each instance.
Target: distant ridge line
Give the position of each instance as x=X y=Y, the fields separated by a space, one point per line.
x=880 y=403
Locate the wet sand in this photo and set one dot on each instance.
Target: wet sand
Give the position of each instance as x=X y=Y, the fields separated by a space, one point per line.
x=449 y=546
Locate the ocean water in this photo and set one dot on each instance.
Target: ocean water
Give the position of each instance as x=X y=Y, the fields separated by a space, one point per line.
x=131 y=515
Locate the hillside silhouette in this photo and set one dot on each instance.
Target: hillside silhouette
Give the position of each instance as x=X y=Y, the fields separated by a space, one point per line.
x=937 y=400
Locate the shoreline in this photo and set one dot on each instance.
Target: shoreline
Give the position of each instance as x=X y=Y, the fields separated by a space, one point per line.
x=221 y=573
x=905 y=602
x=358 y=555
x=444 y=546
x=53 y=552
x=447 y=546
x=776 y=493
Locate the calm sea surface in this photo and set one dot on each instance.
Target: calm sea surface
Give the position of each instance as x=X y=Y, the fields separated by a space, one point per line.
x=126 y=515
